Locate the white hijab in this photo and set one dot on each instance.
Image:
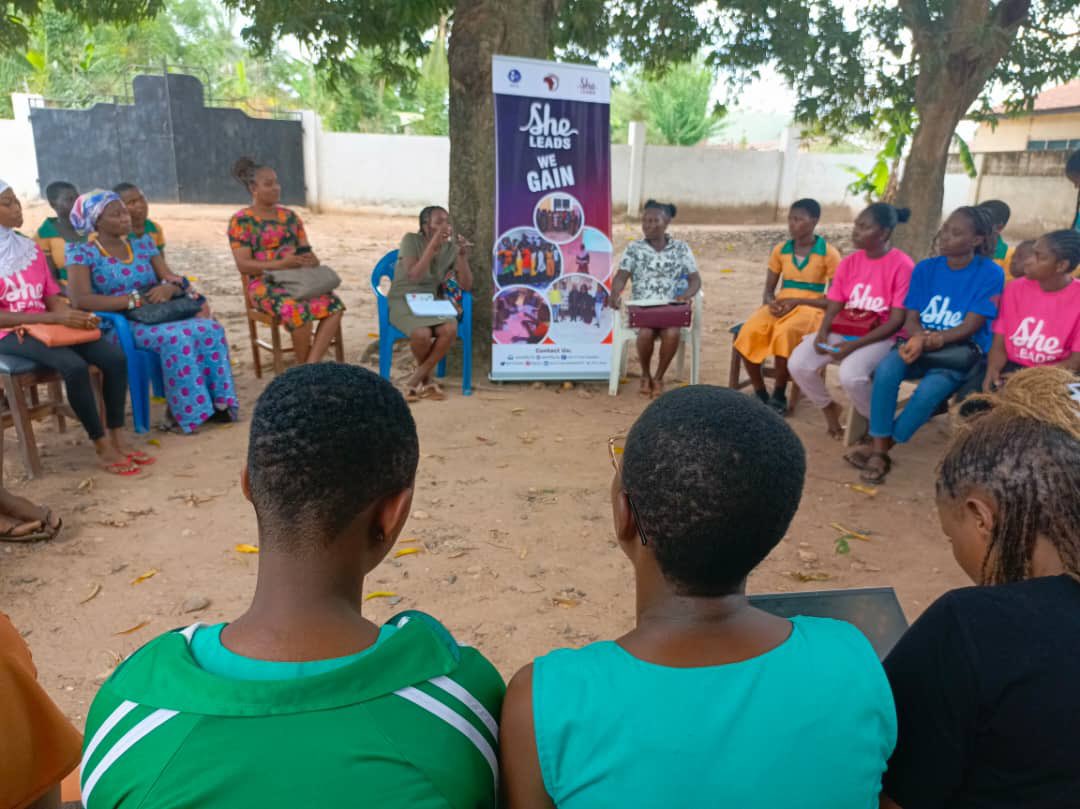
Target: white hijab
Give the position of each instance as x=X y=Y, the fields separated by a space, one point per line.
x=16 y=251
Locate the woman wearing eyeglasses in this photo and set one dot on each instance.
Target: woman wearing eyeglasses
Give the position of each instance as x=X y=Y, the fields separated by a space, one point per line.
x=706 y=701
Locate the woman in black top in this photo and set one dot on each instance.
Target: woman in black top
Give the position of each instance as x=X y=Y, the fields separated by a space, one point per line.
x=987 y=681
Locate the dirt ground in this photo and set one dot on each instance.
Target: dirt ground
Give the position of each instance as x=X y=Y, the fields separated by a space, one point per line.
x=512 y=509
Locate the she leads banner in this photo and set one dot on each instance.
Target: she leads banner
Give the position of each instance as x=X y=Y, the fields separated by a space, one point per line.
x=552 y=260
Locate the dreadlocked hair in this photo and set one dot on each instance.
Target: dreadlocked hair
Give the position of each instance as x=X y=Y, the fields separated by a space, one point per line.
x=1022 y=446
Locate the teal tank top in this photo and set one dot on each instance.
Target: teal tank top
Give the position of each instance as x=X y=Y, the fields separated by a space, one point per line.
x=810 y=724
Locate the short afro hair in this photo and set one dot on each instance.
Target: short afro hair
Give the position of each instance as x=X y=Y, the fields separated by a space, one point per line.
x=327 y=441
x=54 y=189
x=716 y=478
x=811 y=206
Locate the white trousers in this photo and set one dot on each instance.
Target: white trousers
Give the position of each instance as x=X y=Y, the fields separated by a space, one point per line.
x=856 y=371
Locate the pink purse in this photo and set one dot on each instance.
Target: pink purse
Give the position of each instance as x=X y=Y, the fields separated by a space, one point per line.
x=666 y=316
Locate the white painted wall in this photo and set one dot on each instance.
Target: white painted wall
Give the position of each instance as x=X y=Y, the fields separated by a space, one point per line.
x=394 y=171
x=18 y=160
x=825 y=177
x=708 y=177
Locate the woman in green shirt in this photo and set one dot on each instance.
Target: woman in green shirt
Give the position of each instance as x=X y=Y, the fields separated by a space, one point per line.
x=426 y=259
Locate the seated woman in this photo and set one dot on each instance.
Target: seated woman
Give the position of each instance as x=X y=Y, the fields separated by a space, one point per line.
x=985 y=680
x=57 y=232
x=112 y=273
x=950 y=305
x=425 y=260
x=806 y=263
x=1039 y=322
x=139 y=210
x=654 y=266
x=707 y=701
x=31 y=296
x=866 y=305
x=267 y=236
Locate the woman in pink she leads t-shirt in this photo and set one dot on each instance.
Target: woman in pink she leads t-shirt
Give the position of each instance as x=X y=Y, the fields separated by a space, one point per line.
x=865 y=311
x=1039 y=320
x=29 y=296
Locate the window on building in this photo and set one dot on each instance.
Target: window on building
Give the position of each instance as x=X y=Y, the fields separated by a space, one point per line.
x=1036 y=145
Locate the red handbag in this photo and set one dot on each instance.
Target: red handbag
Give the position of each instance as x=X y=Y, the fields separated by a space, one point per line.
x=856 y=322
x=666 y=316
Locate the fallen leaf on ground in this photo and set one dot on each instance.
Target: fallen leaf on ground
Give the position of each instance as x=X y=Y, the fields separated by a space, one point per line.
x=86 y=484
x=869 y=491
x=380 y=594
x=524 y=553
x=406 y=552
x=803 y=575
x=421 y=515
x=849 y=534
x=410 y=539
x=243 y=547
x=842 y=545
x=517 y=411
x=112 y=522
x=566 y=603
x=147 y=575
x=153 y=442
x=483 y=439
x=93 y=592
x=138 y=512
x=131 y=629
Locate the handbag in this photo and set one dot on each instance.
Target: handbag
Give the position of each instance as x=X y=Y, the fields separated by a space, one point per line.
x=305 y=283
x=856 y=322
x=56 y=335
x=953 y=357
x=666 y=316
x=180 y=308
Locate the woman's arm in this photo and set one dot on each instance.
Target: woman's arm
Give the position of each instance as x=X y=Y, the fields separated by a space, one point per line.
x=1071 y=362
x=617 y=287
x=82 y=295
x=692 y=288
x=772 y=278
x=959 y=334
x=416 y=267
x=913 y=348
x=887 y=329
x=522 y=782
x=461 y=265
x=249 y=265
x=995 y=362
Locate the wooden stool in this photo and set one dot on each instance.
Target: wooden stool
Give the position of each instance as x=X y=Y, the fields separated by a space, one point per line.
x=20 y=378
x=275 y=347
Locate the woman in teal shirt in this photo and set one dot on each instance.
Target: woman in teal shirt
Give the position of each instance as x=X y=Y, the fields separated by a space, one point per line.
x=707 y=701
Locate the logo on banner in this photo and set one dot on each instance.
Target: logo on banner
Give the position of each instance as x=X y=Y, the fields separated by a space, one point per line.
x=552 y=82
x=546 y=132
x=586 y=87
x=514 y=75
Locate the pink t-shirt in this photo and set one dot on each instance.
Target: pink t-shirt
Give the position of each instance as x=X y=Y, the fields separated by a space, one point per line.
x=1040 y=328
x=874 y=284
x=26 y=291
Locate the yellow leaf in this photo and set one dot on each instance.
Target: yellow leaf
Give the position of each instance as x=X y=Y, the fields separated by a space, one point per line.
x=153 y=442
x=846 y=533
x=373 y=335
x=869 y=491
x=517 y=411
x=243 y=547
x=803 y=575
x=565 y=602
x=147 y=575
x=93 y=592
x=131 y=629
x=524 y=553
x=406 y=552
x=410 y=539
x=379 y=594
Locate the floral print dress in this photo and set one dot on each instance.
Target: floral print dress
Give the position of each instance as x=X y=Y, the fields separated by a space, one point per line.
x=194 y=352
x=269 y=240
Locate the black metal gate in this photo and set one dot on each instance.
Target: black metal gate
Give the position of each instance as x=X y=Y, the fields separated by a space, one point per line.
x=168 y=142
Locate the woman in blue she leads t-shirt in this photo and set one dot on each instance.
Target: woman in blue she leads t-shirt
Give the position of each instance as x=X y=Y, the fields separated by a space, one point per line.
x=951 y=303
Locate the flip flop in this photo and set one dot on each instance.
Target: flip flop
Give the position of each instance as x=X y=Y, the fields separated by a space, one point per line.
x=17 y=531
x=39 y=536
x=141 y=458
x=875 y=478
x=859 y=459
x=412 y=395
x=432 y=391
x=122 y=468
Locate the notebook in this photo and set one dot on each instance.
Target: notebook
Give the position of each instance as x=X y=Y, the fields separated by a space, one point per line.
x=424 y=304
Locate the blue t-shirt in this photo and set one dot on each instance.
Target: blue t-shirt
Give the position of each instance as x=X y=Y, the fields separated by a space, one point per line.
x=943 y=297
x=810 y=723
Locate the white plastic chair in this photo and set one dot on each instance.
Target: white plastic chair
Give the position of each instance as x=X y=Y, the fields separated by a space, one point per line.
x=623 y=336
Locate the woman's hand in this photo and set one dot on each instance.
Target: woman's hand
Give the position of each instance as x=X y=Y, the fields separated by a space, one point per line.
x=820 y=341
x=291 y=262
x=934 y=341
x=162 y=293
x=464 y=246
x=992 y=381
x=75 y=318
x=913 y=348
x=309 y=260
x=781 y=308
x=614 y=300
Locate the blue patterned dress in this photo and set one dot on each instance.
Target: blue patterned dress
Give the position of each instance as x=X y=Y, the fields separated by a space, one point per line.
x=194 y=352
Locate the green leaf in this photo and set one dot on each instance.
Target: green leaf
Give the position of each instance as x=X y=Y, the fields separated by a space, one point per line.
x=36 y=60
x=966 y=158
x=841 y=544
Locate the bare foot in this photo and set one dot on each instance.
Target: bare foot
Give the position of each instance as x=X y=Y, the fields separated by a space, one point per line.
x=658 y=388
x=645 y=387
x=114 y=462
x=833 y=412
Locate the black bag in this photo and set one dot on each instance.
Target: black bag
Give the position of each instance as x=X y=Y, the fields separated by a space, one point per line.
x=953 y=357
x=154 y=314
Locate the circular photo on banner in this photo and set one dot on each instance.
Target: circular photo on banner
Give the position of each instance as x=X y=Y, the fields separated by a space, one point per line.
x=579 y=310
x=521 y=316
x=559 y=217
x=523 y=257
x=589 y=254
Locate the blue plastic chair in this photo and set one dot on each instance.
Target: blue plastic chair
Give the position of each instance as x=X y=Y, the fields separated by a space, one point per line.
x=144 y=371
x=388 y=334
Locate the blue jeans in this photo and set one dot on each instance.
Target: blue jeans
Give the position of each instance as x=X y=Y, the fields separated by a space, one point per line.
x=936 y=386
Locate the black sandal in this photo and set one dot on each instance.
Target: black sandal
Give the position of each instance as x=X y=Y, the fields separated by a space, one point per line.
x=859 y=458
x=876 y=476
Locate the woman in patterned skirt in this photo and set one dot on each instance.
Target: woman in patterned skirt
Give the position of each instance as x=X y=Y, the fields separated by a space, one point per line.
x=267 y=236
x=111 y=273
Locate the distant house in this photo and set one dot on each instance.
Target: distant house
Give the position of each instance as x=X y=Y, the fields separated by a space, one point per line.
x=1053 y=125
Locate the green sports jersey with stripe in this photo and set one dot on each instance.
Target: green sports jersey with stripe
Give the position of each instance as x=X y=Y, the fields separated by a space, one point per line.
x=411 y=724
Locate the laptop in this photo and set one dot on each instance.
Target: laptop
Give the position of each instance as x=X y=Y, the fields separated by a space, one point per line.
x=875 y=611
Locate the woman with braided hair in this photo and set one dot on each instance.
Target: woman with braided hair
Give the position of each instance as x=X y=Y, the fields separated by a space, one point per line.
x=985 y=681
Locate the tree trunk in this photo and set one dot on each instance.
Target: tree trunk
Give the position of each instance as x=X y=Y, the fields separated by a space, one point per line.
x=955 y=59
x=482 y=28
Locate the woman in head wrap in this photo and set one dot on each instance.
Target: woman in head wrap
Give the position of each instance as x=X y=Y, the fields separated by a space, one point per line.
x=29 y=295
x=110 y=273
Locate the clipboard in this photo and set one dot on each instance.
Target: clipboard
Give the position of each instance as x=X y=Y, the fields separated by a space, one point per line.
x=424 y=304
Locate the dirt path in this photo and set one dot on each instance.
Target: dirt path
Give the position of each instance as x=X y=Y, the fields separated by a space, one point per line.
x=512 y=510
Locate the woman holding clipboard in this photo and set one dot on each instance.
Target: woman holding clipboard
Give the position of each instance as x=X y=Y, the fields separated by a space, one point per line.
x=426 y=259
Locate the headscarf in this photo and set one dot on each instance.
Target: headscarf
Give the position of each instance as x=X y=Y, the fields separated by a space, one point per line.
x=88 y=209
x=16 y=251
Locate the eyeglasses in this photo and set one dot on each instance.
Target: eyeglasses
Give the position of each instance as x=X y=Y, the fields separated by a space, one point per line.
x=616 y=447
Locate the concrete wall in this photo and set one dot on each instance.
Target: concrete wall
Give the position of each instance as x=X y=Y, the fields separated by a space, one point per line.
x=395 y=171
x=18 y=160
x=1013 y=134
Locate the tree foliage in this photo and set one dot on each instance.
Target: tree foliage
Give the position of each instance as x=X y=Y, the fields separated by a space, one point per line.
x=675 y=105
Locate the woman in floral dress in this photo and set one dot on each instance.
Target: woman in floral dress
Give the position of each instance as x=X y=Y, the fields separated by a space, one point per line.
x=111 y=273
x=267 y=236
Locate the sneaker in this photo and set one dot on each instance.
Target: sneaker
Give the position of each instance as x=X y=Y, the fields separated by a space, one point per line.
x=778 y=402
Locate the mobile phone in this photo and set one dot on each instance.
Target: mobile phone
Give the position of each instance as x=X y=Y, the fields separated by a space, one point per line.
x=829 y=348
x=303 y=249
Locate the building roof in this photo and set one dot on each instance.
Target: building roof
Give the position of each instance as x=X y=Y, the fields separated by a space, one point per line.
x=1063 y=98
